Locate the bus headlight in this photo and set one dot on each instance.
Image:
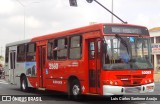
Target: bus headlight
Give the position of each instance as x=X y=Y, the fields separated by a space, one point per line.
x=150 y=80
x=116 y=83
x=145 y=81
x=111 y=82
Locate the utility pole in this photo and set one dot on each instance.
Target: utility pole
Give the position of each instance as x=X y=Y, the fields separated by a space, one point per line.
x=24 y=13
x=24 y=18
x=112 y=12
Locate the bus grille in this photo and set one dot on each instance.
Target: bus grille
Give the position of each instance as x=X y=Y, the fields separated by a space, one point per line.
x=131 y=80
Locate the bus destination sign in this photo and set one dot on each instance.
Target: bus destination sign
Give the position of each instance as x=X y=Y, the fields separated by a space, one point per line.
x=115 y=29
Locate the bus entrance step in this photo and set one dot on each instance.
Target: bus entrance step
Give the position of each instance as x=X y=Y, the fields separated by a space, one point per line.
x=43 y=89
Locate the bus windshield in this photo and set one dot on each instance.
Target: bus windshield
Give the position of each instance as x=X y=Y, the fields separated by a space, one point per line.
x=126 y=52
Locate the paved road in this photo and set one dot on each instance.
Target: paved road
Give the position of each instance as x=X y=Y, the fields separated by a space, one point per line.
x=57 y=98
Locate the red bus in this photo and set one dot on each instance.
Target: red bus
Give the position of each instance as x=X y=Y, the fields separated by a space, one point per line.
x=100 y=59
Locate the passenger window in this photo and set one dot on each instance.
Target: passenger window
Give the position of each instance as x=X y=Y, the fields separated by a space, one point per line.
x=31 y=52
x=21 y=53
x=55 y=49
x=75 y=47
x=50 y=51
x=60 y=49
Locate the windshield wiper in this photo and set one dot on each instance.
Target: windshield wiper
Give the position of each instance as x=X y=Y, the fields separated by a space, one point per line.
x=123 y=42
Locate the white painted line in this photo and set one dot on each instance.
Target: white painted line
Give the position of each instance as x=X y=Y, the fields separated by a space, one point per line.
x=3 y=83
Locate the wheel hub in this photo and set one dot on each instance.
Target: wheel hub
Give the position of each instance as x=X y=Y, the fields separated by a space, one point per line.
x=75 y=90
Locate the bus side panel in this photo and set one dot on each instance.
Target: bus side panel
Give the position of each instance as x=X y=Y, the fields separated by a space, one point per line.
x=30 y=70
x=20 y=68
x=56 y=77
x=33 y=82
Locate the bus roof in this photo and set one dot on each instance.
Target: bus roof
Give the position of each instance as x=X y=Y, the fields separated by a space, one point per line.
x=18 y=42
x=84 y=29
x=89 y=28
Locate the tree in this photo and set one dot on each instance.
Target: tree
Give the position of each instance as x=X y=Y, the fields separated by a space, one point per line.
x=1 y=60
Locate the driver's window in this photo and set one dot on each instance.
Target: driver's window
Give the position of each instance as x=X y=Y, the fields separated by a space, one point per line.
x=109 y=54
x=139 y=49
x=116 y=52
x=113 y=49
x=116 y=46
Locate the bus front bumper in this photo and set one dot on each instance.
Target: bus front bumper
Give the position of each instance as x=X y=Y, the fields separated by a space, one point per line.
x=120 y=90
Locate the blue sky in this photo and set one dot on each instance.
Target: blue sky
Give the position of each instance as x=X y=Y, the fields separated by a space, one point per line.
x=49 y=16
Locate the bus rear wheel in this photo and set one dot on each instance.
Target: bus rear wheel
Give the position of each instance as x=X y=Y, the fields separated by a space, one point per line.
x=75 y=90
x=24 y=84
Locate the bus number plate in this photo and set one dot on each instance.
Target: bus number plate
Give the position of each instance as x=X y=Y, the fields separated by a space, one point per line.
x=53 y=66
x=146 y=72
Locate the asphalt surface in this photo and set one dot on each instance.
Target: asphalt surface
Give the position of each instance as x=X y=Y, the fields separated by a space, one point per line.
x=52 y=97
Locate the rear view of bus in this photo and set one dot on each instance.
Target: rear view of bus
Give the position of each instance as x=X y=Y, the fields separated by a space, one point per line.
x=126 y=60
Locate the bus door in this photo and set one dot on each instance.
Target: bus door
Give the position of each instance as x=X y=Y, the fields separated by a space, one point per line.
x=41 y=64
x=12 y=64
x=94 y=65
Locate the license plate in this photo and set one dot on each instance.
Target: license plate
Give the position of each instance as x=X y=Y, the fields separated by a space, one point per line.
x=132 y=90
x=149 y=87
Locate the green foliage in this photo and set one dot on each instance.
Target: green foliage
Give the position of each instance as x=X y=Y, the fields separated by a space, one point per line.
x=1 y=58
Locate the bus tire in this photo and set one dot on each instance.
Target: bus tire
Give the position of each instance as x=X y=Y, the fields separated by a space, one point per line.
x=24 y=84
x=75 y=90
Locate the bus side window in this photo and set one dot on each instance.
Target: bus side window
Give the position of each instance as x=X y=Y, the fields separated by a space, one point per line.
x=31 y=52
x=75 y=49
x=62 y=49
x=55 y=49
x=50 y=51
x=21 y=53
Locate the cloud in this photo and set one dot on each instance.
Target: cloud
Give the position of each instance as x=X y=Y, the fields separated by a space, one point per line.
x=16 y=20
x=32 y=22
x=142 y=20
x=154 y=21
x=6 y=7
